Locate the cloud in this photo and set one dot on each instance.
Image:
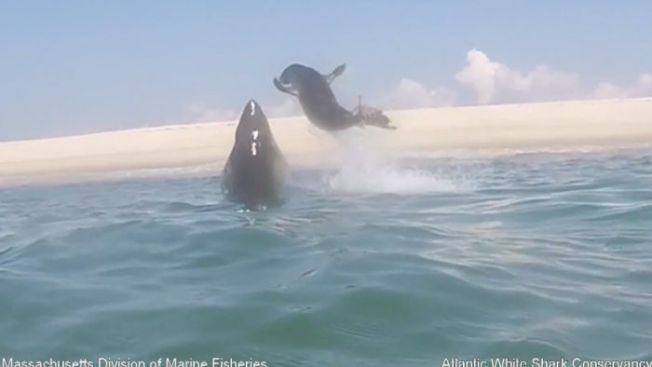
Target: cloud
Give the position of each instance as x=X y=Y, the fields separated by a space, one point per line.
x=489 y=80
x=411 y=94
x=480 y=74
x=202 y=113
x=289 y=107
x=606 y=90
x=642 y=88
x=498 y=83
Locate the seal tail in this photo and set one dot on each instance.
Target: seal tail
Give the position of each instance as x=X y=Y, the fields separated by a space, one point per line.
x=366 y=115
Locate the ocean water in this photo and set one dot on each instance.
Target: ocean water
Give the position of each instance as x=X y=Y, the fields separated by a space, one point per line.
x=378 y=262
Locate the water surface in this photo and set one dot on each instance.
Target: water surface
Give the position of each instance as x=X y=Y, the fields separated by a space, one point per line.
x=378 y=263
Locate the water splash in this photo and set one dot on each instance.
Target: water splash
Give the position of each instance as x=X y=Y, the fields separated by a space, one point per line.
x=366 y=170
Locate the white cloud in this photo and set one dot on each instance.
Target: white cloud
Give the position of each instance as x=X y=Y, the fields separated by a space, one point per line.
x=608 y=90
x=642 y=88
x=480 y=74
x=645 y=82
x=202 y=113
x=489 y=80
x=495 y=82
x=412 y=94
x=289 y=107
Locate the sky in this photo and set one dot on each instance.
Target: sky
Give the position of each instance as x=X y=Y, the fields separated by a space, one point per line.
x=80 y=66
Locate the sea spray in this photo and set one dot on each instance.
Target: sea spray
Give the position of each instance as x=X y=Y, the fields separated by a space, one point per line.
x=363 y=169
x=385 y=270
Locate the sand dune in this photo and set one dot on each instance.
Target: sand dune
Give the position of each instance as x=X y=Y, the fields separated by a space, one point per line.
x=555 y=125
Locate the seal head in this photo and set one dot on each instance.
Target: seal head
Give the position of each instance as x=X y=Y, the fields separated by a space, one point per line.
x=318 y=100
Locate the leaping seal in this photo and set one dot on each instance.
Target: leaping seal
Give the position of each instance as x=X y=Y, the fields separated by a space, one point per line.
x=255 y=172
x=319 y=103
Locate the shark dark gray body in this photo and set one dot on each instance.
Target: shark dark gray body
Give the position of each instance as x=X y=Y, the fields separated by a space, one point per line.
x=255 y=172
x=319 y=103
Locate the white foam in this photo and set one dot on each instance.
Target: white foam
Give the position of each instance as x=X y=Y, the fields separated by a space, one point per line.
x=363 y=170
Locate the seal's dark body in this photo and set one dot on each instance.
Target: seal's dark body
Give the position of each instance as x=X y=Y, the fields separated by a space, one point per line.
x=319 y=103
x=317 y=99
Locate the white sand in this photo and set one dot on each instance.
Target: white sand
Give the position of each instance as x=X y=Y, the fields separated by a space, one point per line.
x=205 y=147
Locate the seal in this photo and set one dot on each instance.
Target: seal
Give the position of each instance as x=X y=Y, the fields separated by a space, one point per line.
x=319 y=103
x=255 y=172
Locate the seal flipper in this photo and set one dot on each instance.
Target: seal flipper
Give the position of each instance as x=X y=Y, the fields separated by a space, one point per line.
x=378 y=119
x=372 y=116
x=285 y=88
x=335 y=73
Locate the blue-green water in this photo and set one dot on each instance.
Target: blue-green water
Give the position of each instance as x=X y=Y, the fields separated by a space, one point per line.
x=537 y=255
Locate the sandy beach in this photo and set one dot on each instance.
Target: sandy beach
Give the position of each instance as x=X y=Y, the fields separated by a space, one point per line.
x=204 y=147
